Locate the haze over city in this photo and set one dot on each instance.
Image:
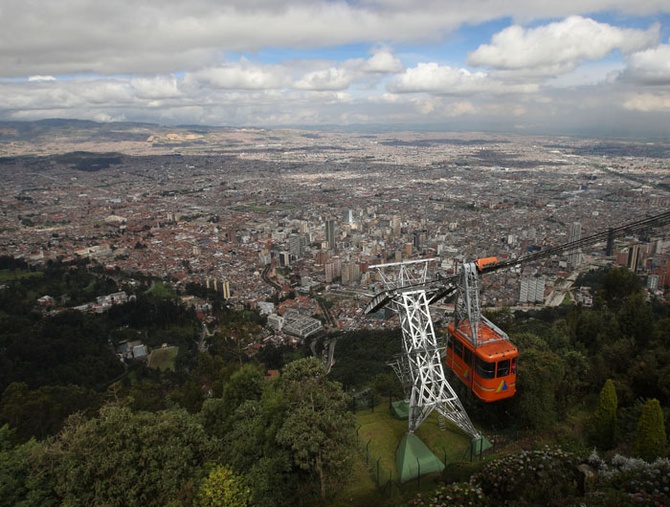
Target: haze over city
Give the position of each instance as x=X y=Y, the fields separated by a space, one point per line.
x=592 y=67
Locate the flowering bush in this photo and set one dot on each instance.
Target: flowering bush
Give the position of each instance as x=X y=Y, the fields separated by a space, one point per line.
x=530 y=477
x=631 y=481
x=458 y=494
x=548 y=477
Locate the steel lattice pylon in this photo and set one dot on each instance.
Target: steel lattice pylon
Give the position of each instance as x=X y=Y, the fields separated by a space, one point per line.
x=420 y=367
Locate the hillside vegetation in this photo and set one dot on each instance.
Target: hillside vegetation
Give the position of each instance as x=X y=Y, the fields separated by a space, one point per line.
x=203 y=426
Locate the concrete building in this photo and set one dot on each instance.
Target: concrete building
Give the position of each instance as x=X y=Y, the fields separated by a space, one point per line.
x=330 y=234
x=575 y=234
x=531 y=290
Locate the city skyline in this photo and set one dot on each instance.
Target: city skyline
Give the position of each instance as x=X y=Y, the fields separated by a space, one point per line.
x=593 y=67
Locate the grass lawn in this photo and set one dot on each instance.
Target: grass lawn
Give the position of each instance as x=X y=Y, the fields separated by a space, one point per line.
x=163 y=359
x=7 y=275
x=379 y=434
x=161 y=291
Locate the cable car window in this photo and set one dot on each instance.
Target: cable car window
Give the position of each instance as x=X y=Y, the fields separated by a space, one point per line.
x=503 y=368
x=513 y=365
x=485 y=369
x=458 y=348
x=450 y=343
x=468 y=356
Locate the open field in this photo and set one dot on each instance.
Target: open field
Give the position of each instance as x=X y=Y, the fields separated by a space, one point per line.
x=7 y=275
x=163 y=359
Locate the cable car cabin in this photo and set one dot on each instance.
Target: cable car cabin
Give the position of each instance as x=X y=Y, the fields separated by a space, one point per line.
x=489 y=370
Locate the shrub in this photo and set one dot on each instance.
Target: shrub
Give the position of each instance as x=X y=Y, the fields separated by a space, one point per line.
x=651 y=439
x=604 y=418
x=528 y=478
x=458 y=493
x=630 y=481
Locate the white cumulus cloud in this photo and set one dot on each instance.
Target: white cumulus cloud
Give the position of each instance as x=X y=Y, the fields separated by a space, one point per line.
x=156 y=88
x=650 y=67
x=445 y=80
x=383 y=61
x=559 y=47
x=328 y=79
x=240 y=76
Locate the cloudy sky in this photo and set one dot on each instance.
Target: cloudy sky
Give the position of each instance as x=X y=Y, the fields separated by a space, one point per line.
x=511 y=65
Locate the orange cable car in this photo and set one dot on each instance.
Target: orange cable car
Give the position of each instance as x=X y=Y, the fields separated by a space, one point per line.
x=478 y=352
x=489 y=370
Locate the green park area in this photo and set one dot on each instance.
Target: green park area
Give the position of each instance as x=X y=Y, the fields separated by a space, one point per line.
x=7 y=275
x=163 y=359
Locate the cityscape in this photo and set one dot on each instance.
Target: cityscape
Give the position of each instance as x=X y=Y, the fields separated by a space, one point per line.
x=278 y=220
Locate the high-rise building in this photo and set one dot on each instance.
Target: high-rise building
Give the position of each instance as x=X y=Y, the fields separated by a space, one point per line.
x=330 y=234
x=575 y=234
x=296 y=244
x=329 y=268
x=416 y=241
x=337 y=266
x=351 y=272
x=532 y=290
x=633 y=257
x=396 y=225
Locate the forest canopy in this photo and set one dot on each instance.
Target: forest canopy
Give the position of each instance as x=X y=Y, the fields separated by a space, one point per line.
x=75 y=415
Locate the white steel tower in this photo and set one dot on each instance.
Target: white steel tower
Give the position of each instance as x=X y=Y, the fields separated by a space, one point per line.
x=420 y=367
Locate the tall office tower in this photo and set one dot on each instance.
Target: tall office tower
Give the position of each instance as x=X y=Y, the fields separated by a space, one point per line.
x=395 y=225
x=531 y=290
x=351 y=272
x=295 y=245
x=329 y=268
x=330 y=234
x=226 y=289
x=416 y=242
x=575 y=234
x=337 y=266
x=348 y=216
x=633 y=257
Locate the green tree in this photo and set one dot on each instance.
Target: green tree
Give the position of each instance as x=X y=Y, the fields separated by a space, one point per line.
x=223 y=488
x=539 y=379
x=636 y=319
x=14 y=469
x=605 y=417
x=252 y=449
x=245 y=384
x=126 y=458
x=618 y=285
x=318 y=429
x=41 y=412
x=296 y=442
x=650 y=440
